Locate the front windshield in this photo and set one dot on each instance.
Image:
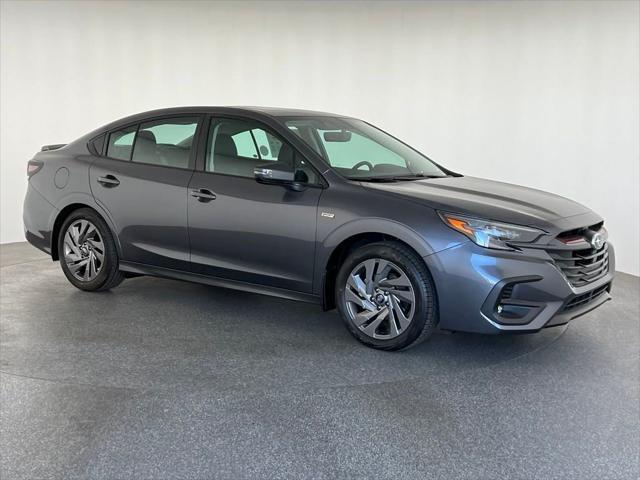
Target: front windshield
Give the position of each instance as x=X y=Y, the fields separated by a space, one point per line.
x=360 y=151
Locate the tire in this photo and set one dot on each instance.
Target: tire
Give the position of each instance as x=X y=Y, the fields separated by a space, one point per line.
x=104 y=273
x=399 y=275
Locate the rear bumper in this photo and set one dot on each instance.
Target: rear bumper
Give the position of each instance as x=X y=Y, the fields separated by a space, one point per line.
x=492 y=291
x=36 y=215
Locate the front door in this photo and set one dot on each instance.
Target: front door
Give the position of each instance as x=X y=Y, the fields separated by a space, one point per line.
x=142 y=184
x=243 y=230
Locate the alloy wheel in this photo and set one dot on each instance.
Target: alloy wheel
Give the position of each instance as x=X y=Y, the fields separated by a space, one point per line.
x=83 y=250
x=380 y=299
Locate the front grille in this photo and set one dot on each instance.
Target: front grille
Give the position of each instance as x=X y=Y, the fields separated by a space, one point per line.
x=582 y=267
x=578 y=232
x=585 y=298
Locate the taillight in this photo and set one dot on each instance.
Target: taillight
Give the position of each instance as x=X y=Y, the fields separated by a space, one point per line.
x=33 y=167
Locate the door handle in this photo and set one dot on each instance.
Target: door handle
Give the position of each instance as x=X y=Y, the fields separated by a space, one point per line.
x=108 y=181
x=203 y=195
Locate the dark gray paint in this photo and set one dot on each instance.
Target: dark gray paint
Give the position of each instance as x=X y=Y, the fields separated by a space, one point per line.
x=253 y=232
x=271 y=239
x=493 y=200
x=148 y=209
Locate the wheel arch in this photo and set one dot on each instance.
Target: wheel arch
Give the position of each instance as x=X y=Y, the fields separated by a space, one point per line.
x=339 y=244
x=62 y=215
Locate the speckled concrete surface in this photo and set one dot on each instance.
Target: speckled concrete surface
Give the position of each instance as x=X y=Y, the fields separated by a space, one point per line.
x=160 y=379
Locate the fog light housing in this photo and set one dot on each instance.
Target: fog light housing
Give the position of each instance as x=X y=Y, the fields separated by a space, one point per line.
x=508 y=314
x=506 y=305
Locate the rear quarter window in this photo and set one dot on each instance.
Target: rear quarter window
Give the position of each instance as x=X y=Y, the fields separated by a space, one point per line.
x=96 y=146
x=121 y=143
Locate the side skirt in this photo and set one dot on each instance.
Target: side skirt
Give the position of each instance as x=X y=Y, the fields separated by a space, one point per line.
x=142 y=269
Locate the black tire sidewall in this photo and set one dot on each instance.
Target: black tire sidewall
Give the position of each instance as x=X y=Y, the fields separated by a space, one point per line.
x=424 y=315
x=111 y=256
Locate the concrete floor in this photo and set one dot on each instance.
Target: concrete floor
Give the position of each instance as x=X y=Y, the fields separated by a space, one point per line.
x=161 y=379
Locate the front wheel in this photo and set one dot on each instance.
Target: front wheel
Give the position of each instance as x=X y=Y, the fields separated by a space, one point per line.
x=386 y=297
x=87 y=252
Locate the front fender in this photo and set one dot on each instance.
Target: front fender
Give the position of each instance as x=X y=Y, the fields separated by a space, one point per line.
x=349 y=210
x=420 y=242
x=382 y=226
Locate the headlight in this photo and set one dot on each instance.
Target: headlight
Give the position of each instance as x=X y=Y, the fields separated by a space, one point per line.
x=489 y=234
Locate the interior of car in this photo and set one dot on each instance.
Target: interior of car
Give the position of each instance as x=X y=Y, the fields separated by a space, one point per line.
x=237 y=147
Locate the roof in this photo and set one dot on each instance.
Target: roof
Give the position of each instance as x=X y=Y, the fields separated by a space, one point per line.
x=287 y=112
x=269 y=111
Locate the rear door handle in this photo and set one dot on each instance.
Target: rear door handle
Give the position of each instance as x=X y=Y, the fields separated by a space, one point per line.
x=108 y=181
x=203 y=195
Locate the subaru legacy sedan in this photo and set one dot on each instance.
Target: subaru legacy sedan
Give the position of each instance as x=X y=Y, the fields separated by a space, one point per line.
x=315 y=207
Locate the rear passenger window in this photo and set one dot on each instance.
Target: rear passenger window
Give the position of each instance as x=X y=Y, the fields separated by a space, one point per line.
x=120 y=143
x=165 y=142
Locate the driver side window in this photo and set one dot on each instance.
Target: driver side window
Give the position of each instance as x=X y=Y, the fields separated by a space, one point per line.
x=236 y=147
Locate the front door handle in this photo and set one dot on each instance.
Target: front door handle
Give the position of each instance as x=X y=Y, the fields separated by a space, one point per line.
x=203 y=195
x=108 y=181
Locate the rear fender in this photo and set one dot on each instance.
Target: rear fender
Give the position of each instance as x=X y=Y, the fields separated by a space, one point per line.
x=83 y=200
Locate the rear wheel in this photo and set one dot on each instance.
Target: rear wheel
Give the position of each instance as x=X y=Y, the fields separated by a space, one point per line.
x=87 y=252
x=386 y=297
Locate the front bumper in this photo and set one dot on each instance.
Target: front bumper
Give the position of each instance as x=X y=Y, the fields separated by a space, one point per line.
x=472 y=282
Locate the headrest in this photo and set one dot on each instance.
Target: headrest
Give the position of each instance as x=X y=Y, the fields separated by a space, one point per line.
x=146 y=135
x=224 y=145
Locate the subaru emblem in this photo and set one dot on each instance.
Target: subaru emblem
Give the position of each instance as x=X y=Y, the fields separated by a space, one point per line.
x=597 y=241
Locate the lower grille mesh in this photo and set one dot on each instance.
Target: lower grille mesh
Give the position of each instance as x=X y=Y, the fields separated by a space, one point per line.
x=585 y=298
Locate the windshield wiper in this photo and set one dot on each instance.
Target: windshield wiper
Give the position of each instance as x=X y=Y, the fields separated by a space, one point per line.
x=396 y=178
x=417 y=176
x=374 y=179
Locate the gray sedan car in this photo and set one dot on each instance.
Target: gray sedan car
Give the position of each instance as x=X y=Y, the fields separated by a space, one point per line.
x=315 y=207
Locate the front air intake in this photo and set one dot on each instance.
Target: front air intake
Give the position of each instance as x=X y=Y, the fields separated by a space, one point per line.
x=586 y=298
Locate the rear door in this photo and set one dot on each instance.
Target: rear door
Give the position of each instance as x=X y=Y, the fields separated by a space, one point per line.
x=243 y=230
x=142 y=181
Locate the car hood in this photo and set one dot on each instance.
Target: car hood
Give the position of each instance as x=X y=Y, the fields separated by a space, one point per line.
x=487 y=199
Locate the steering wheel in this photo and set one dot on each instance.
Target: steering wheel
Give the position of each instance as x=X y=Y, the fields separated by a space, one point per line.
x=362 y=164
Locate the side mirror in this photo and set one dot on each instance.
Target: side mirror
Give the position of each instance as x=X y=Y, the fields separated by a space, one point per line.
x=274 y=176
